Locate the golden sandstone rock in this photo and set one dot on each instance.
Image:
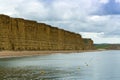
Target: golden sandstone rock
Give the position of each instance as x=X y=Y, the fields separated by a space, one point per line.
x=19 y=34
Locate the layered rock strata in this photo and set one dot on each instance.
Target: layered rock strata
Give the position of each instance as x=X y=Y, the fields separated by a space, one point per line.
x=18 y=34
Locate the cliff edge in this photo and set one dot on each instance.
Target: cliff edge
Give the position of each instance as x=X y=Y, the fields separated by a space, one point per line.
x=18 y=34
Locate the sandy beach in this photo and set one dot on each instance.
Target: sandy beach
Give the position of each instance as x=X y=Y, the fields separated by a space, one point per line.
x=5 y=54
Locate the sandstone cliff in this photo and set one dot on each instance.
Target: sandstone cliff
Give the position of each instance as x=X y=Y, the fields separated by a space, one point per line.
x=20 y=34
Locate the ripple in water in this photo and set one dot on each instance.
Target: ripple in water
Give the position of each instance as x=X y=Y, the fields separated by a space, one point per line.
x=103 y=65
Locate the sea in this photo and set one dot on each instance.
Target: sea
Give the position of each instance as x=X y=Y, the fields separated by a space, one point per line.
x=98 y=65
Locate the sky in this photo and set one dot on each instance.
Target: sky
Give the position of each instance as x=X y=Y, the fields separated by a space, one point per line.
x=96 y=19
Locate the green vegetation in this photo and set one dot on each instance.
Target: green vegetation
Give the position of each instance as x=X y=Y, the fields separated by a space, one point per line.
x=107 y=46
x=101 y=46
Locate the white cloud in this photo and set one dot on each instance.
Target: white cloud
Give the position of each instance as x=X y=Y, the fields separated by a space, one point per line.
x=91 y=34
x=104 y=1
x=32 y=9
x=8 y=7
x=98 y=37
x=98 y=18
x=56 y=10
x=117 y=1
x=67 y=10
x=74 y=15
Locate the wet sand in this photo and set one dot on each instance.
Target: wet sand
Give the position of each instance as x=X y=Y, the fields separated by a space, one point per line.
x=5 y=54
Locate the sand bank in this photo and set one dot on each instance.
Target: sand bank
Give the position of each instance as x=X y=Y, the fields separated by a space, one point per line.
x=5 y=54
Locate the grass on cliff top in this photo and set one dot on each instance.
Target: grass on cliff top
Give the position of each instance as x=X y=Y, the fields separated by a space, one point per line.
x=101 y=46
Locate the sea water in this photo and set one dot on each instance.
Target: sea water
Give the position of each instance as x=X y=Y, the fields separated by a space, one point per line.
x=99 y=65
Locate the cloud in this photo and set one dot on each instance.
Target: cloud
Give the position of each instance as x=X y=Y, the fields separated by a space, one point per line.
x=91 y=16
x=55 y=9
x=104 y=1
x=8 y=7
x=99 y=37
x=111 y=7
x=44 y=10
x=107 y=24
x=93 y=34
x=32 y=9
x=74 y=10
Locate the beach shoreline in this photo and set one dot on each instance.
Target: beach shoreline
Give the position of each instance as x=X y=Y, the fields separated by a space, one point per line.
x=10 y=54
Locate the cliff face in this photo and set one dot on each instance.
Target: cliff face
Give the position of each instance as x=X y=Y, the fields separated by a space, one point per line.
x=88 y=44
x=20 y=34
